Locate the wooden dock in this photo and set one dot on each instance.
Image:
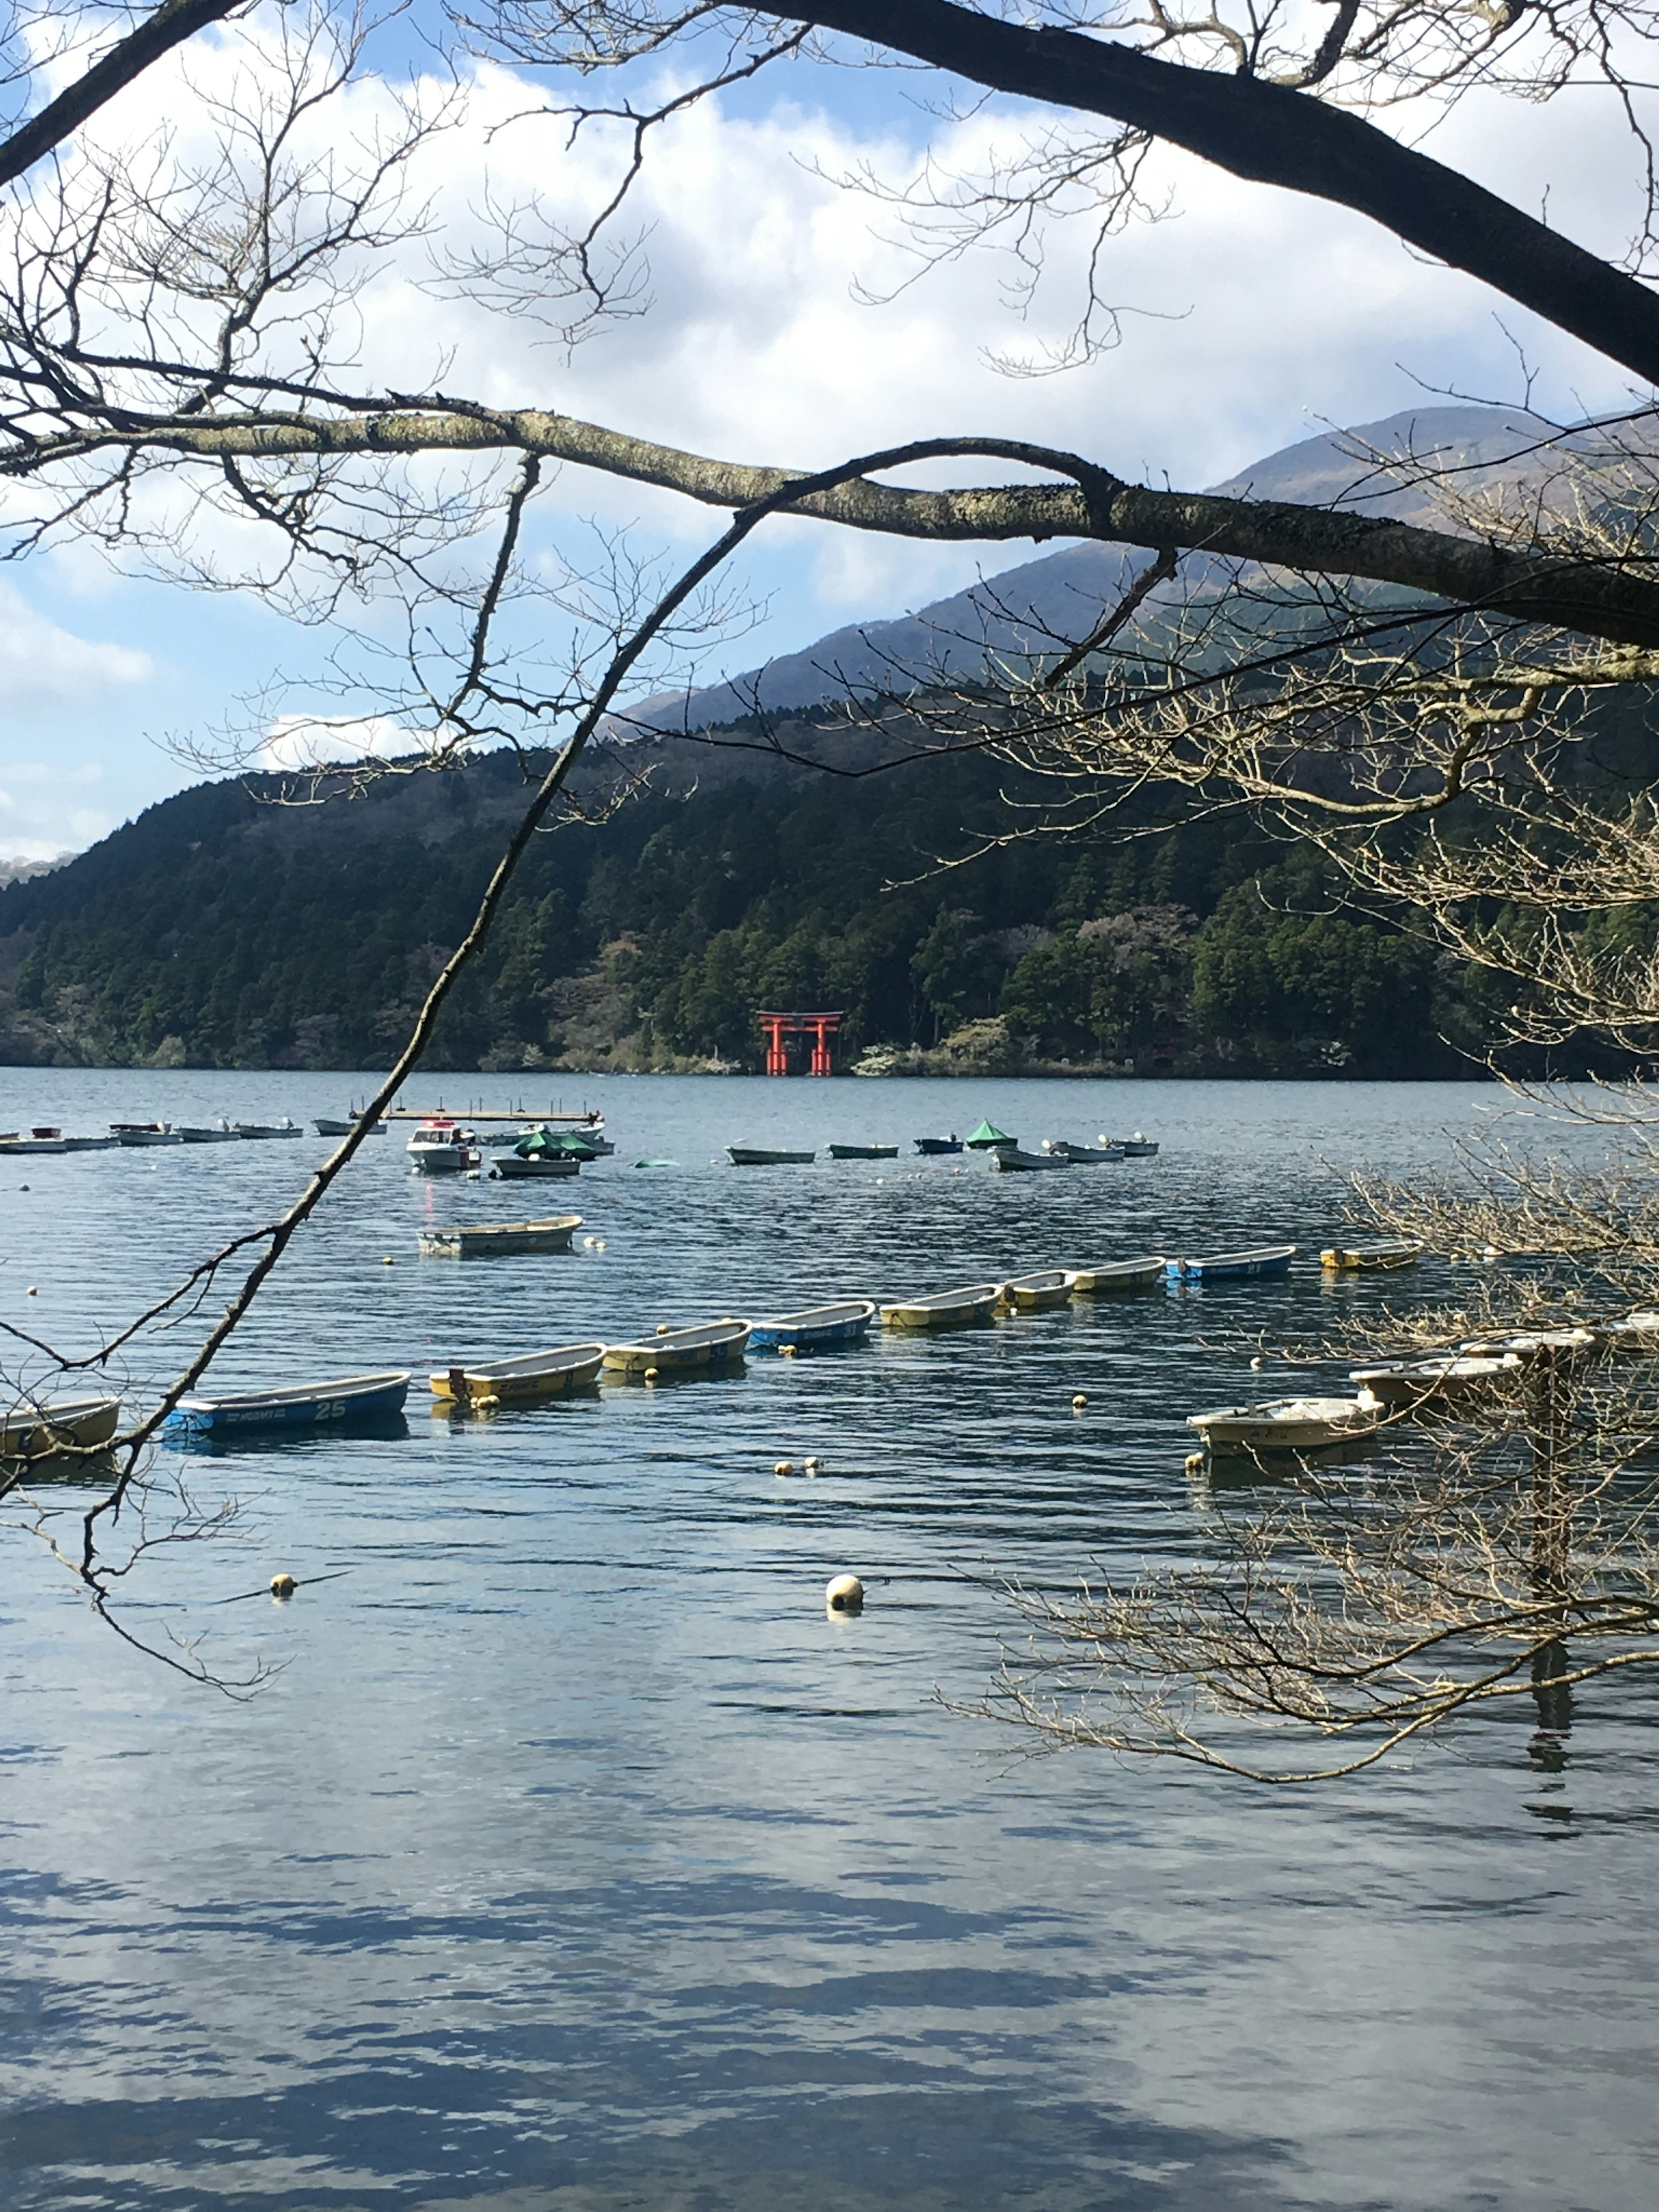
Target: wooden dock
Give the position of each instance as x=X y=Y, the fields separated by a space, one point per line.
x=586 y=1119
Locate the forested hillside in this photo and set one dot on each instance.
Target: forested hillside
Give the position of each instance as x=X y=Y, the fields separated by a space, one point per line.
x=221 y=930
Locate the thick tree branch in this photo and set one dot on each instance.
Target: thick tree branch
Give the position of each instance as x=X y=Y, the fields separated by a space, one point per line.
x=173 y=22
x=1276 y=135
x=1592 y=597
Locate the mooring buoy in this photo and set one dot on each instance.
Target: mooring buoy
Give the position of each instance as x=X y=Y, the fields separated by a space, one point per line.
x=844 y=1595
x=282 y=1586
x=783 y=1466
x=1080 y=1400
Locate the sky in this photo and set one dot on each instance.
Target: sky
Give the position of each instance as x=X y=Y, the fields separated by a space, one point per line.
x=788 y=319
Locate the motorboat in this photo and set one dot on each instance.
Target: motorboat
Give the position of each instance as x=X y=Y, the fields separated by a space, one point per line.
x=499 y=1239
x=43 y=1140
x=440 y=1146
x=39 y=1429
x=1083 y=1156
x=1133 y=1148
x=863 y=1151
x=1117 y=1275
x=510 y=1166
x=1387 y=1252
x=302 y=1405
x=326 y=1127
x=259 y=1130
x=680 y=1351
x=541 y=1142
x=1232 y=1266
x=533 y=1375
x=758 y=1156
x=930 y=1147
x=1408 y=1382
x=1286 y=1424
x=944 y=1309
x=144 y=1132
x=849 y=1322
x=1049 y=1286
x=211 y=1133
x=1011 y=1161
x=91 y=1144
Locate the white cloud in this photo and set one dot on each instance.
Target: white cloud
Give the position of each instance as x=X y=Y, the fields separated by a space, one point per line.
x=45 y=669
x=295 y=741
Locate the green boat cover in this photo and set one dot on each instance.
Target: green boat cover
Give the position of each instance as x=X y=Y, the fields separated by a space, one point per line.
x=987 y=1134
x=542 y=1141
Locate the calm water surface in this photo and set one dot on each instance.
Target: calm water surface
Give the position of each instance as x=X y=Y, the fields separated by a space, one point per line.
x=575 y=1859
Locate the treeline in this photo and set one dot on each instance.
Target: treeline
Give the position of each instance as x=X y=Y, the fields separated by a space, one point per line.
x=221 y=930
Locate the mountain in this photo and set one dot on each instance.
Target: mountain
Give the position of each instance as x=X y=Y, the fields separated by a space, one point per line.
x=1062 y=594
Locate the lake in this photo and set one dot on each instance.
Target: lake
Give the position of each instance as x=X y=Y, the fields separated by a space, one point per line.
x=577 y=1858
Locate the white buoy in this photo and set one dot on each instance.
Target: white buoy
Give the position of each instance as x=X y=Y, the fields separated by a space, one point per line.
x=1080 y=1400
x=34 y=1293
x=599 y=1243
x=783 y=1466
x=1258 y=1361
x=811 y=1466
x=282 y=1586
x=844 y=1595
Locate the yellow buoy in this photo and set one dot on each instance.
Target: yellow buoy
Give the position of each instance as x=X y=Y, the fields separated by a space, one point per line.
x=282 y=1586
x=651 y=1374
x=1194 y=1461
x=844 y=1595
x=663 y=1328
x=785 y=1352
x=783 y=1466
x=387 y=1262
x=1080 y=1400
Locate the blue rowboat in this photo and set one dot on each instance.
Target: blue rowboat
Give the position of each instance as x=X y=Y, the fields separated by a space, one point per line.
x=1232 y=1266
x=304 y=1405
x=846 y=1324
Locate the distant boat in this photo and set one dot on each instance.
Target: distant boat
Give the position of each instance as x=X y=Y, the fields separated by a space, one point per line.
x=43 y=1140
x=815 y=1325
x=326 y=1127
x=756 y=1156
x=533 y=1375
x=1083 y=1155
x=1389 y=1252
x=258 y=1130
x=1226 y=1266
x=90 y=1144
x=499 y=1239
x=656 y=1164
x=1527 y=1344
x=144 y=1132
x=1637 y=1332
x=303 y=1405
x=1117 y=1275
x=509 y=1166
x=443 y=1147
x=1416 y=1382
x=1012 y=1161
x=212 y=1132
x=677 y=1351
x=930 y=1146
x=37 y=1432
x=864 y=1151
x=944 y=1309
x=986 y=1138
x=1051 y=1286
x=1286 y=1424
x=1133 y=1148
x=541 y=1142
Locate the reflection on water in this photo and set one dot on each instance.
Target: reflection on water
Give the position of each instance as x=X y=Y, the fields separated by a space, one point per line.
x=577 y=1857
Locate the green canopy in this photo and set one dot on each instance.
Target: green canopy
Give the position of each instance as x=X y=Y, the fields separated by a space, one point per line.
x=987 y=1135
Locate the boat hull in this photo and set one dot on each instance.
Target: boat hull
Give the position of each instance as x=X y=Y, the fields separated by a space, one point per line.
x=499 y=1239
x=848 y=1323
x=863 y=1151
x=1037 y=1293
x=1117 y=1275
x=519 y=1381
x=1082 y=1155
x=1347 y=1259
x=509 y=1168
x=752 y=1156
x=1410 y=1383
x=29 y=1432
x=1287 y=1425
x=680 y=1351
x=944 y=1309
x=1234 y=1266
x=1012 y=1161
x=355 y=1397
x=933 y=1147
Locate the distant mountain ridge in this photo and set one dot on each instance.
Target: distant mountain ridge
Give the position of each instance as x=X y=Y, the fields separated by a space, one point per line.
x=1061 y=594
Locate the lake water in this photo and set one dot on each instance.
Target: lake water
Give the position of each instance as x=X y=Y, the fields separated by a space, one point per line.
x=577 y=1859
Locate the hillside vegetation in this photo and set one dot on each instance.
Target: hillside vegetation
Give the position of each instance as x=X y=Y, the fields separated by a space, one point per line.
x=221 y=930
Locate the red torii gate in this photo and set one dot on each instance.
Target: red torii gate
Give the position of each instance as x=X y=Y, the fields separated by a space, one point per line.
x=821 y=1028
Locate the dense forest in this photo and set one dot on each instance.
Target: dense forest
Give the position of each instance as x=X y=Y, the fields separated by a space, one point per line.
x=221 y=929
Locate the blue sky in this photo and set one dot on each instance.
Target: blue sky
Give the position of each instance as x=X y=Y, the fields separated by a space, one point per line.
x=1253 y=318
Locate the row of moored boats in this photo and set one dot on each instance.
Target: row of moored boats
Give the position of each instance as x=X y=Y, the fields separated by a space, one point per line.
x=1005 y=1151
x=44 y=1138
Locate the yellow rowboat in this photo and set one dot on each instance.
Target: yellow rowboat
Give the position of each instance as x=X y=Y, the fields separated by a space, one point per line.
x=944 y=1309
x=679 y=1350
x=36 y=1432
x=1392 y=1252
x=499 y=1238
x=1117 y=1275
x=1051 y=1286
x=534 y=1375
